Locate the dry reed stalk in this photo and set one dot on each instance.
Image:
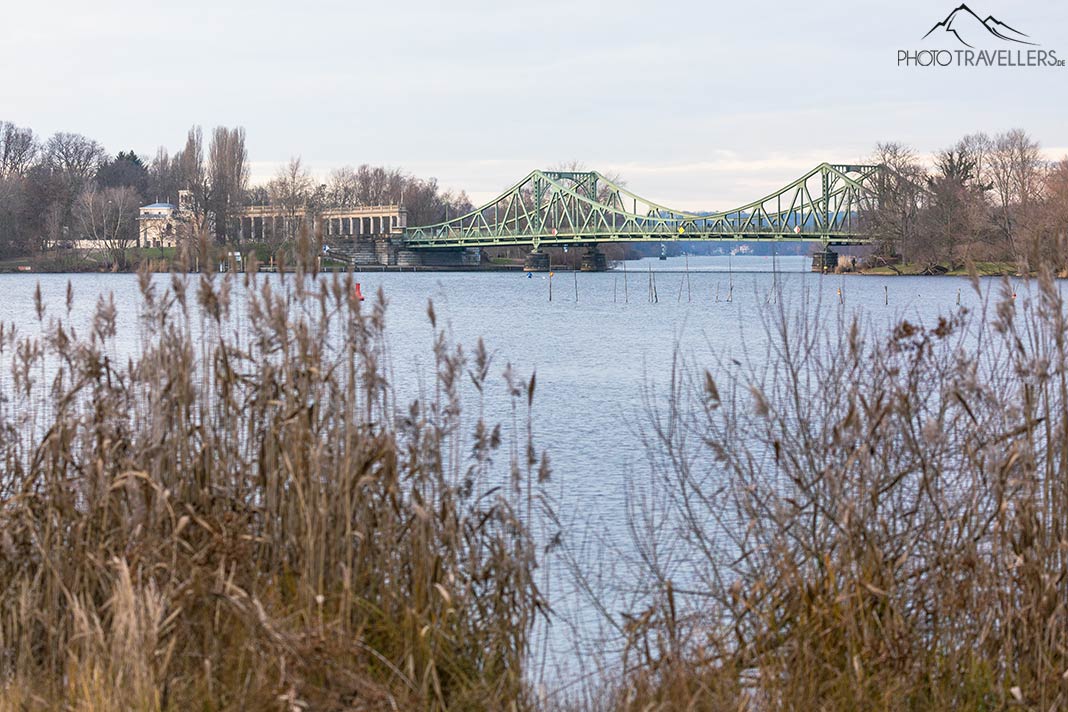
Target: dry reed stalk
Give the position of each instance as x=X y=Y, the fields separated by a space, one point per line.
x=243 y=516
x=867 y=521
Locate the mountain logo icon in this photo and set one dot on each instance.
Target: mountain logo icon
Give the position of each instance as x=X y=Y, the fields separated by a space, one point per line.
x=969 y=29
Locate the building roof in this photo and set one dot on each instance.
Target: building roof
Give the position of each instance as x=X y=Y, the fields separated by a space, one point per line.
x=158 y=206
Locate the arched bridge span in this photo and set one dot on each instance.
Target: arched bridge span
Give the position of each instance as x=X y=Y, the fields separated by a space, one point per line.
x=584 y=207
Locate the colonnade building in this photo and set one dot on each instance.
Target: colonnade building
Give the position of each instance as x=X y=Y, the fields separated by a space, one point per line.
x=263 y=222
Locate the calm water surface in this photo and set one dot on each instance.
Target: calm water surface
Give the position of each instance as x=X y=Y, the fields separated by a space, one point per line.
x=594 y=354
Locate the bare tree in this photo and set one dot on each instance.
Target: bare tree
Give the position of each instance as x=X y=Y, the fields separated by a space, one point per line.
x=895 y=219
x=18 y=149
x=424 y=203
x=228 y=174
x=1015 y=175
x=376 y=185
x=291 y=190
x=979 y=147
x=955 y=212
x=163 y=185
x=75 y=156
x=109 y=217
x=56 y=232
x=191 y=176
x=12 y=207
x=382 y=186
x=1052 y=245
x=343 y=188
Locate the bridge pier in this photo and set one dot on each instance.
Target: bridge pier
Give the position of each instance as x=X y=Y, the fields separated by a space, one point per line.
x=594 y=260
x=825 y=261
x=536 y=261
x=385 y=251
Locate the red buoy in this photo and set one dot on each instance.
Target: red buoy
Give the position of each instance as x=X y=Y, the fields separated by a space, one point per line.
x=359 y=294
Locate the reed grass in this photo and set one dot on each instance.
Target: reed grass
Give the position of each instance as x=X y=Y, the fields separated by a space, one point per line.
x=246 y=515
x=855 y=519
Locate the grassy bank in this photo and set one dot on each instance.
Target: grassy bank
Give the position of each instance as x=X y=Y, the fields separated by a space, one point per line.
x=248 y=518
x=984 y=269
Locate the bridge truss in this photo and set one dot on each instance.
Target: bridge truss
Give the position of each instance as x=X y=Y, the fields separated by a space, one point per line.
x=569 y=207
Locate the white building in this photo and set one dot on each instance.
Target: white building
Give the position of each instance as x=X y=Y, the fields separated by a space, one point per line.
x=164 y=224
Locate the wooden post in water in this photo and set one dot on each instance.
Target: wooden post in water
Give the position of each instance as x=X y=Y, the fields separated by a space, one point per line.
x=730 y=277
x=689 y=297
x=886 y=294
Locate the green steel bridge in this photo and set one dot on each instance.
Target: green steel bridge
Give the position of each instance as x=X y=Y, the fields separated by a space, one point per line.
x=572 y=207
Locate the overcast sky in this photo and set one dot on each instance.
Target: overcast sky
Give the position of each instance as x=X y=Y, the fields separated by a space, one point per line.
x=698 y=105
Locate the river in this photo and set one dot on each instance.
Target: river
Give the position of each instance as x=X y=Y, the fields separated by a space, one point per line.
x=597 y=346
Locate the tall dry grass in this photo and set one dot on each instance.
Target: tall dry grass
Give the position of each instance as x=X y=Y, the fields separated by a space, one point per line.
x=856 y=519
x=244 y=515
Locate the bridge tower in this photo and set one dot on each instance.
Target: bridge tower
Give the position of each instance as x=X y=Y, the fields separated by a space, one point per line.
x=536 y=261
x=826 y=260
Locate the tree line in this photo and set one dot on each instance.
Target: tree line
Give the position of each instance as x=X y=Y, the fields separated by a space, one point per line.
x=295 y=190
x=59 y=190
x=983 y=199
